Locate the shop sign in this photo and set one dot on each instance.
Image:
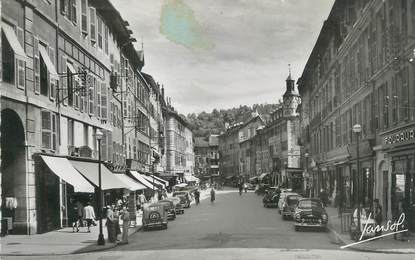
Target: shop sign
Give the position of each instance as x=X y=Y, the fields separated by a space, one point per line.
x=400 y=137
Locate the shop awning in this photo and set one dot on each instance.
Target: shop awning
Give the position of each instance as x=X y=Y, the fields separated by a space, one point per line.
x=130 y=183
x=90 y=171
x=230 y=177
x=139 y=177
x=166 y=183
x=13 y=41
x=151 y=180
x=262 y=176
x=64 y=170
x=48 y=62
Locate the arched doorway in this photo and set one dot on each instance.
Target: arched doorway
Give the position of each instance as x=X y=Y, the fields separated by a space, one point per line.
x=13 y=166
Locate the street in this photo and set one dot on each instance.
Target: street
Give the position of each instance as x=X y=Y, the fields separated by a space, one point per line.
x=233 y=221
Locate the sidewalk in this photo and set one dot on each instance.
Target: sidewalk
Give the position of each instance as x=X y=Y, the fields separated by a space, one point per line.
x=386 y=244
x=59 y=242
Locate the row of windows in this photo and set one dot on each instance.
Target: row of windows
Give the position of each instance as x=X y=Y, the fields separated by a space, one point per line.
x=91 y=23
x=388 y=105
x=377 y=45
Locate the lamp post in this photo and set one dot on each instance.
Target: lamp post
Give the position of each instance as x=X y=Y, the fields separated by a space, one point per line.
x=101 y=240
x=307 y=176
x=357 y=129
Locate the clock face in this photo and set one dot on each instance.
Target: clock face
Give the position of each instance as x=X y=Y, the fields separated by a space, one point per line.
x=287 y=102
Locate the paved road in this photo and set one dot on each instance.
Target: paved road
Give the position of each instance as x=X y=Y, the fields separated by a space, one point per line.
x=233 y=221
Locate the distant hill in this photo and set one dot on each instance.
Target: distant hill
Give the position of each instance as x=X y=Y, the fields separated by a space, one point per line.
x=204 y=123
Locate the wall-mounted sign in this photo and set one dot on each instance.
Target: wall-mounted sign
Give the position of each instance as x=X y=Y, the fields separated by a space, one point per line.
x=402 y=136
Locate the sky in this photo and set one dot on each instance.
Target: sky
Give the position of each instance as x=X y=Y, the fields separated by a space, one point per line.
x=224 y=53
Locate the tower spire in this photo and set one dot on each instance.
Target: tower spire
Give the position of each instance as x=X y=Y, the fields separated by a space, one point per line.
x=289 y=72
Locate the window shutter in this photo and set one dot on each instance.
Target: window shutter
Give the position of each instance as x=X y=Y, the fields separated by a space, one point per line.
x=76 y=96
x=64 y=81
x=74 y=13
x=98 y=100
x=93 y=21
x=36 y=65
x=104 y=102
x=52 y=81
x=46 y=129
x=91 y=95
x=84 y=16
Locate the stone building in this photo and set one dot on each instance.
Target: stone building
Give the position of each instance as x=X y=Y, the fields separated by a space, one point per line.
x=207 y=157
x=69 y=70
x=361 y=72
x=179 y=147
x=277 y=149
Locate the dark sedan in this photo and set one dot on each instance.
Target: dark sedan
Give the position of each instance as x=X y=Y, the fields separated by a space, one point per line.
x=310 y=213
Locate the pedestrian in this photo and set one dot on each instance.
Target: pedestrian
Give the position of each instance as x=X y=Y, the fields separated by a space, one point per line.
x=197 y=196
x=377 y=215
x=117 y=222
x=110 y=224
x=141 y=200
x=212 y=195
x=88 y=215
x=74 y=217
x=125 y=216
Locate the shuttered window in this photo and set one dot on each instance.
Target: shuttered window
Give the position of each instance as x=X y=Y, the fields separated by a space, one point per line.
x=49 y=136
x=104 y=102
x=93 y=21
x=84 y=17
x=36 y=65
x=91 y=95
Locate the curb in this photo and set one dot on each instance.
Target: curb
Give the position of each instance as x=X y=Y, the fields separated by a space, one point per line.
x=340 y=241
x=77 y=252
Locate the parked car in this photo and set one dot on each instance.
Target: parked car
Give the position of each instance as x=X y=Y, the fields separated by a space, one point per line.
x=171 y=212
x=154 y=215
x=178 y=208
x=283 y=194
x=251 y=186
x=186 y=193
x=310 y=213
x=270 y=200
x=184 y=200
x=288 y=206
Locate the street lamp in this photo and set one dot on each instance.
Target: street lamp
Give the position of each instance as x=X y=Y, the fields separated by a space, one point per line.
x=357 y=129
x=307 y=176
x=101 y=240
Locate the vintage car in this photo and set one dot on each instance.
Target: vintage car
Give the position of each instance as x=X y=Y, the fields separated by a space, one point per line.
x=154 y=215
x=186 y=193
x=171 y=212
x=178 y=208
x=270 y=200
x=288 y=205
x=310 y=213
x=283 y=194
x=184 y=200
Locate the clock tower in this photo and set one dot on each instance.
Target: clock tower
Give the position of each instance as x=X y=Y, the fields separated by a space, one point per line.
x=291 y=99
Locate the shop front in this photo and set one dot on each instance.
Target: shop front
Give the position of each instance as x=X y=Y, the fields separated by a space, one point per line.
x=400 y=147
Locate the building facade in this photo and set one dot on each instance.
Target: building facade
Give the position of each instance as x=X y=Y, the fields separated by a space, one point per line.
x=361 y=72
x=69 y=69
x=179 y=147
x=207 y=157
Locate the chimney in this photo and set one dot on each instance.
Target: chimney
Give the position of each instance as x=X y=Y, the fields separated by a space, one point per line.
x=162 y=91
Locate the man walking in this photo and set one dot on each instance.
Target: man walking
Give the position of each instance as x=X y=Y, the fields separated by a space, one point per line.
x=197 y=197
x=212 y=195
x=89 y=215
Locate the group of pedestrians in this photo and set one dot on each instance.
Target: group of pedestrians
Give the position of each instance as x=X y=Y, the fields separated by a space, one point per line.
x=85 y=216
x=113 y=216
